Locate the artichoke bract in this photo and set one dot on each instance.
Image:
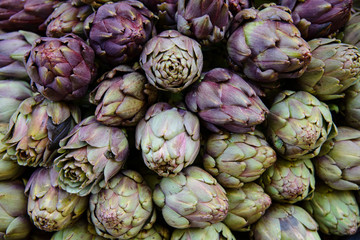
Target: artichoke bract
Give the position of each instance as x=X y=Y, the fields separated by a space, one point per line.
x=351 y=31
x=117 y=31
x=246 y=205
x=122 y=97
x=318 y=18
x=165 y=10
x=298 y=125
x=207 y=21
x=335 y=211
x=14 y=224
x=285 y=222
x=340 y=167
x=36 y=128
x=122 y=207
x=351 y=106
x=225 y=101
x=236 y=158
x=169 y=138
x=90 y=153
x=61 y=68
x=334 y=67
x=267 y=46
x=288 y=181
x=12 y=93
x=172 y=61
x=193 y=198
x=49 y=207
x=67 y=18
x=156 y=232
x=217 y=231
x=13 y=47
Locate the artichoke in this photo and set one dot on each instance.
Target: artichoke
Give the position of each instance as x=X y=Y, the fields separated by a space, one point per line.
x=156 y=232
x=9 y=8
x=246 y=206
x=49 y=207
x=61 y=68
x=193 y=198
x=169 y=138
x=90 y=153
x=14 y=224
x=285 y=222
x=122 y=207
x=236 y=6
x=318 y=18
x=298 y=125
x=335 y=211
x=97 y=3
x=216 y=231
x=236 y=158
x=351 y=106
x=340 y=167
x=289 y=182
x=12 y=93
x=225 y=101
x=117 y=31
x=36 y=128
x=207 y=20
x=13 y=47
x=165 y=10
x=334 y=67
x=172 y=61
x=67 y=18
x=122 y=97
x=351 y=33
x=267 y=46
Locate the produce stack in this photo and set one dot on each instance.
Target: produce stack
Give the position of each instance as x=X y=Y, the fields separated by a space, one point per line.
x=179 y=119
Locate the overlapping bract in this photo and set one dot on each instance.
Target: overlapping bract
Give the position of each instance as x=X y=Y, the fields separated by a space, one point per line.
x=122 y=97
x=216 y=231
x=165 y=10
x=298 y=125
x=90 y=153
x=267 y=46
x=351 y=107
x=169 y=138
x=61 y=68
x=36 y=128
x=49 y=207
x=193 y=198
x=225 y=101
x=122 y=207
x=334 y=67
x=236 y=158
x=117 y=31
x=351 y=33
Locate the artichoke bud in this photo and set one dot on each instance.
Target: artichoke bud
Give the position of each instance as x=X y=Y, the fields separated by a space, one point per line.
x=58 y=132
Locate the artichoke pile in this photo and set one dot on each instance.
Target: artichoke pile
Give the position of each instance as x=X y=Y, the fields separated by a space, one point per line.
x=179 y=119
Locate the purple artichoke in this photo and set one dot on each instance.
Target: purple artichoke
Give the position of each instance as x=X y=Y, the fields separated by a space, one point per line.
x=165 y=10
x=118 y=31
x=225 y=101
x=61 y=68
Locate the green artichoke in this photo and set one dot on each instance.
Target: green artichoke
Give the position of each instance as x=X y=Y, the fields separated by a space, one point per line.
x=216 y=231
x=36 y=128
x=90 y=153
x=172 y=61
x=169 y=138
x=334 y=67
x=236 y=158
x=340 y=167
x=246 y=206
x=77 y=231
x=13 y=47
x=9 y=168
x=285 y=222
x=156 y=232
x=206 y=20
x=351 y=106
x=14 y=222
x=225 y=101
x=12 y=93
x=351 y=33
x=67 y=18
x=335 y=211
x=49 y=207
x=267 y=46
x=61 y=68
x=298 y=125
x=122 y=97
x=122 y=207
x=288 y=181
x=193 y=198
